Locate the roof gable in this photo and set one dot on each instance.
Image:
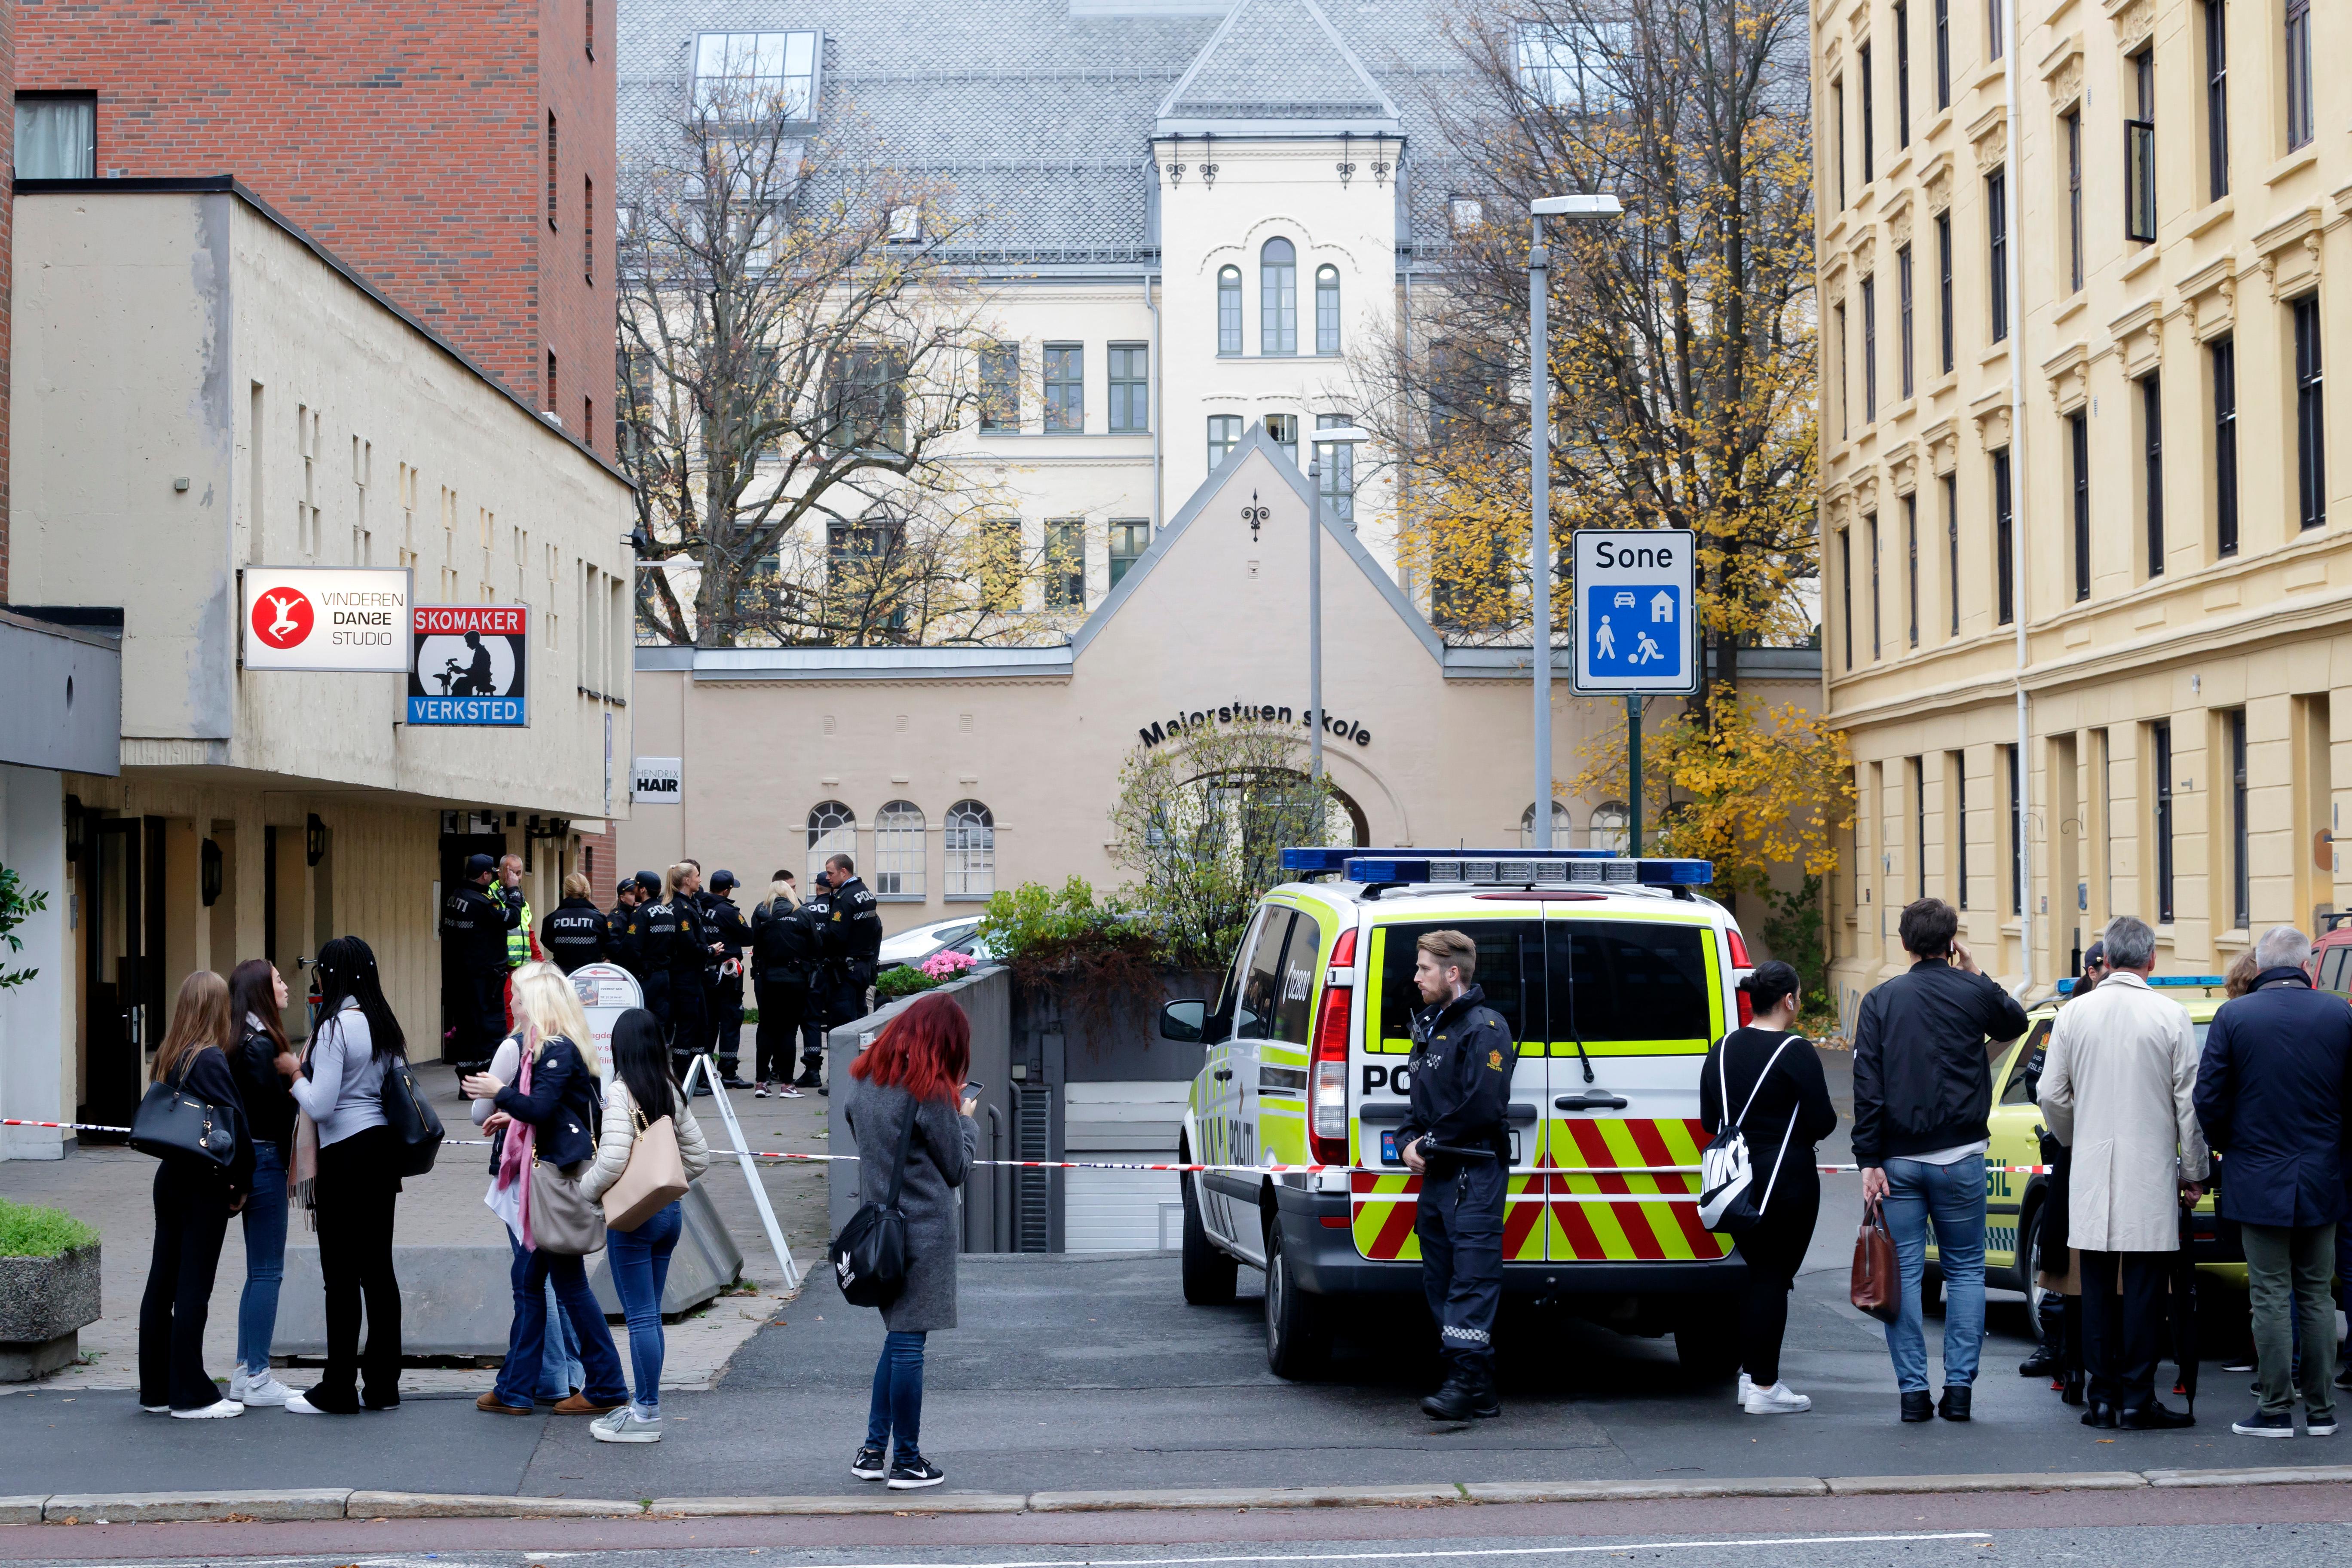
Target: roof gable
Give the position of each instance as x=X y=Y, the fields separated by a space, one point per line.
x=1228 y=472
x=1275 y=67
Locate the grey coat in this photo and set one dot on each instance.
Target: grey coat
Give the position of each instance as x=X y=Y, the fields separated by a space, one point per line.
x=937 y=1162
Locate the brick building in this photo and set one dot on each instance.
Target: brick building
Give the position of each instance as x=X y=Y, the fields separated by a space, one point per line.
x=455 y=155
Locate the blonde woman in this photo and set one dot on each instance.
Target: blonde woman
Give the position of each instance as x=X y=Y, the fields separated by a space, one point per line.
x=193 y=1199
x=555 y=1117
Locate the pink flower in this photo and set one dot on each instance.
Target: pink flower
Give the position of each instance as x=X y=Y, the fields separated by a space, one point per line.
x=945 y=964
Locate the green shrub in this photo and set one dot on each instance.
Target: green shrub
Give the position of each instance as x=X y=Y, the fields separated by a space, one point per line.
x=29 y=1232
x=904 y=981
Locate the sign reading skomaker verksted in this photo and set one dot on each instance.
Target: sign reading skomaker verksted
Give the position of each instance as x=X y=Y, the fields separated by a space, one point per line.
x=468 y=664
x=351 y=620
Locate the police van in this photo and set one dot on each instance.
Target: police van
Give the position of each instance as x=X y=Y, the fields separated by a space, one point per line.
x=1613 y=975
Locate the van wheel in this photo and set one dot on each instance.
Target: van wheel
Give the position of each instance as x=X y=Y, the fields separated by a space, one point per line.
x=1706 y=1337
x=1295 y=1341
x=1208 y=1273
x=2029 y=1277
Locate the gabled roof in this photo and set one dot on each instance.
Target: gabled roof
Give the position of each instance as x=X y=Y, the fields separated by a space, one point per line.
x=1276 y=67
x=1226 y=473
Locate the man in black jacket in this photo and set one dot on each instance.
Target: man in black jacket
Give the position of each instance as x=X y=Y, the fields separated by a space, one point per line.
x=2274 y=1097
x=849 y=938
x=626 y=897
x=574 y=935
x=725 y=998
x=783 y=957
x=1457 y=1137
x=1922 y=1104
x=474 y=927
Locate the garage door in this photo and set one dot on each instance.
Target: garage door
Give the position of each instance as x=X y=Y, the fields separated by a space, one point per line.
x=1122 y=1211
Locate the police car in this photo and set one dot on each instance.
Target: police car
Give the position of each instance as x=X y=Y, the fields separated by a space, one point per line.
x=1614 y=977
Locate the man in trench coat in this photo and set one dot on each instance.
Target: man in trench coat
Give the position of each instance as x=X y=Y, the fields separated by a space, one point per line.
x=2118 y=1091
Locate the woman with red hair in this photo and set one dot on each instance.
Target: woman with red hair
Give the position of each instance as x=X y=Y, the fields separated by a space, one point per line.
x=906 y=1093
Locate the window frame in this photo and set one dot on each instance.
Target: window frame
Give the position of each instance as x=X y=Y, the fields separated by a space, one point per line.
x=1000 y=372
x=1950 y=484
x=2016 y=827
x=2072 y=121
x=1061 y=568
x=2221 y=364
x=1845 y=592
x=2310 y=411
x=1225 y=432
x=76 y=97
x=894 y=876
x=1229 y=311
x=839 y=819
x=1136 y=408
x=1277 y=299
x=2217 y=99
x=964 y=861
x=2078 y=443
x=1944 y=322
x=2139 y=151
x=2160 y=750
x=698 y=100
x=1337 y=460
x=1943 y=54
x=1905 y=336
x=2241 y=830
x=1869 y=116
x=1119 y=531
x=2151 y=413
x=1062 y=388
x=1327 y=310
x=2004 y=523
x=1901 y=73
x=1869 y=350
x=1996 y=187
x=1911 y=547
x=1877 y=637
x=2295 y=37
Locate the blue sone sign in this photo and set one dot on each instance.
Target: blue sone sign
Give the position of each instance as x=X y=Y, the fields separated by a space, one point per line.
x=1635 y=598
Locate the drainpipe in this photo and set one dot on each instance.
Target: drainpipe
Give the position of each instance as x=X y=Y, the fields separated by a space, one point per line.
x=1159 y=485
x=2014 y=283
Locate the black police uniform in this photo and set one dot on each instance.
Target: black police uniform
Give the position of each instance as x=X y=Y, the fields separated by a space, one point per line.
x=618 y=947
x=653 y=931
x=851 y=922
x=1461 y=1061
x=474 y=927
x=783 y=957
x=574 y=934
x=723 y=992
x=684 y=954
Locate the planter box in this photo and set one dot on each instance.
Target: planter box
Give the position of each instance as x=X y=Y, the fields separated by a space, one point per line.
x=44 y=1302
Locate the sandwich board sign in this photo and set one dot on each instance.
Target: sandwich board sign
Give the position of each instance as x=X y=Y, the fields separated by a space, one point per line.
x=1636 y=602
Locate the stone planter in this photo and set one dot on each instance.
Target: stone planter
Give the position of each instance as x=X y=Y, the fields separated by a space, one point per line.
x=44 y=1302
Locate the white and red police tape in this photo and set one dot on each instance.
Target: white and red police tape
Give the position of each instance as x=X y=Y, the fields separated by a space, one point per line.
x=1174 y=1166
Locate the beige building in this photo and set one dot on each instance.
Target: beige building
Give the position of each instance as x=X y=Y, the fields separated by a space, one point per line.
x=201 y=389
x=2088 y=594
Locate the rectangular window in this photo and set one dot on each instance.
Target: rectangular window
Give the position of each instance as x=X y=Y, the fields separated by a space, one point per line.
x=2151 y=414
x=1902 y=74
x=866 y=390
x=2241 y=857
x=2160 y=741
x=1869 y=349
x=588 y=228
x=2078 y=440
x=1284 y=429
x=2299 y=118
x=588 y=27
x=1904 y=340
x=2217 y=99
x=1845 y=592
x=1869 y=119
x=1337 y=461
x=1128 y=538
x=1958 y=766
x=1845 y=428
x=1919 y=827
x=1224 y=435
x=1996 y=28
x=1951 y=487
x=551 y=168
x=1131 y=386
x=1837 y=108
x=2140 y=151
x=1911 y=563
x=2075 y=200
x=1000 y=386
x=1997 y=250
x=553 y=405
x=1943 y=54
x=2310 y=418
x=1871 y=524
x=1944 y=289
x=746 y=76
x=2004 y=561
x=2016 y=830
x=1065 y=388
x=1065 y=565
x=2224 y=355
x=56 y=136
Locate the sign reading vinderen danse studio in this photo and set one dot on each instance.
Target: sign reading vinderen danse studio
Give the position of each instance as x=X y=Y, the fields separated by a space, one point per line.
x=350 y=620
x=469 y=664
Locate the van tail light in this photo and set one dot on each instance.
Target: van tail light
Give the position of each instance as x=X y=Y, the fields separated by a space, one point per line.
x=1330 y=1082
x=1739 y=953
x=1747 y=1009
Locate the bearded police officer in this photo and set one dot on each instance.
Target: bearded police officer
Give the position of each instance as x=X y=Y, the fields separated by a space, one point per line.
x=474 y=927
x=1457 y=1137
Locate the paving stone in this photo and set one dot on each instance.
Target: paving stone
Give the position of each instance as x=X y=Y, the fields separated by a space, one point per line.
x=146 y=1507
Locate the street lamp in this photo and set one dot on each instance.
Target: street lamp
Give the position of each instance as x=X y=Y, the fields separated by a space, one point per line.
x=1337 y=436
x=1597 y=206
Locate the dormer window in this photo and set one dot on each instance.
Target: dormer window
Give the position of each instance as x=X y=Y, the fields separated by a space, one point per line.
x=745 y=77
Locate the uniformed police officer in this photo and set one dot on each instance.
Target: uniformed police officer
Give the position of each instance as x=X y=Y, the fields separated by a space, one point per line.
x=724 y=991
x=677 y=945
x=1457 y=1137
x=574 y=934
x=626 y=897
x=474 y=927
x=783 y=956
x=510 y=892
x=849 y=938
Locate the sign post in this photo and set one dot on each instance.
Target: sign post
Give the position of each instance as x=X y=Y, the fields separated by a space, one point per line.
x=1636 y=615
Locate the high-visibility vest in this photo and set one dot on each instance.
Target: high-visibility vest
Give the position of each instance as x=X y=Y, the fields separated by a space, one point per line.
x=518 y=941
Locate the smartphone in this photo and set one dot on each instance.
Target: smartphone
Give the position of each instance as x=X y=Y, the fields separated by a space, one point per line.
x=973 y=1087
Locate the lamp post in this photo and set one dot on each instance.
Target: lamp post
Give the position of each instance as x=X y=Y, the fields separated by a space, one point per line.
x=1338 y=436
x=1539 y=486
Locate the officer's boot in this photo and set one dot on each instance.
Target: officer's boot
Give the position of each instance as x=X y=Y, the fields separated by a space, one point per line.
x=2049 y=1358
x=1484 y=1402
x=1458 y=1397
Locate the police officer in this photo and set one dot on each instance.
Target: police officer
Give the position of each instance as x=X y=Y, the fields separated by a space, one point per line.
x=626 y=897
x=849 y=927
x=783 y=958
x=574 y=934
x=474 y=927
x=1457 y=1137
x=724 y=992
x=676 y=945
x=520 y=949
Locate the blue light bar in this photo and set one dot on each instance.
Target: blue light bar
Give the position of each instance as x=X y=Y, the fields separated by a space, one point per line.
x=1336 y=859
x=1522 y=866
x=2186 y=981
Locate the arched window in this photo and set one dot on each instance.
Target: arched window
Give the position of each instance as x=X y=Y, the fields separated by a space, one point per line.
x=1327 y=310
x=832 y=830
x=1229 y=311
x=898 y=848
x=1558 y=825
x=1277 y=299
x=971 y=850
x=1612 y=827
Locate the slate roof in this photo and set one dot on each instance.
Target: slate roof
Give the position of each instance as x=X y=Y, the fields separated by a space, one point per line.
x=1043 y=120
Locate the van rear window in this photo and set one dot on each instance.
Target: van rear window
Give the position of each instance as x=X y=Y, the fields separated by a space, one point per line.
x=1596 y=980
x=1511 y=971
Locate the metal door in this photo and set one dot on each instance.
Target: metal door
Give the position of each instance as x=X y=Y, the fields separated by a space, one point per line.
x=118 y=1029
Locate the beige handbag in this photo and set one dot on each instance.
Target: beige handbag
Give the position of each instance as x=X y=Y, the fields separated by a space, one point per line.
x=654 y=1179
x=562 y=1219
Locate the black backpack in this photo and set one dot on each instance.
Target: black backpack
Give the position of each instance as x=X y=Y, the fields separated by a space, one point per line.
x=869 y=1256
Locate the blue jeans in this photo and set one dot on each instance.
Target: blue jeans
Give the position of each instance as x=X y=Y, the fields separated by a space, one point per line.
x=1952 y=1198
x=265 y=1259
x=640 y=1264
x=527 y=1340
x=559 y=1360
x=898 y=1395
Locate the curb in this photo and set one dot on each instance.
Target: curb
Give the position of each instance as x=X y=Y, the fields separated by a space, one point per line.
x=328 y=1503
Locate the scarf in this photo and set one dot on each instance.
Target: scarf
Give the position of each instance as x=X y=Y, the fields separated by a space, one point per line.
x=516 y=1152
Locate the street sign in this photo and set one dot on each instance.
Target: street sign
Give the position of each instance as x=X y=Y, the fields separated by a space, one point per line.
x=1636 y=602
x=469 y=664
x=348 y=620
x=657 y=781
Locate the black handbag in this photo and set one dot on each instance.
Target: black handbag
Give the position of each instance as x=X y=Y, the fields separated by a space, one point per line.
x=415 y=1126
x=172 y=1124
x=869 y=1256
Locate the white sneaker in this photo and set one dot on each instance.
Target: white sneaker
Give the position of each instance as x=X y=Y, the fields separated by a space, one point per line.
x=220 y=1409
x=298 y=1406
x=1779 y=1399
x=760 y=1089
x=786 y=1091
x=626 y=1426
x=1747 y=1386
x=156 y=1409
x=265 y=1390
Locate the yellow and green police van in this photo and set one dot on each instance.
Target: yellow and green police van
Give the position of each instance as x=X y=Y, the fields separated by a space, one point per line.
x=1615 y=977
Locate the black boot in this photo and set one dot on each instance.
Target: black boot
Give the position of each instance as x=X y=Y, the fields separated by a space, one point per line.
x=1484 y=1403
x=808 y=1077
x=1919 y=1406
x=1456 y=1398
x=2049 y=1358
x=2153 y=1416
x=1955 y=1403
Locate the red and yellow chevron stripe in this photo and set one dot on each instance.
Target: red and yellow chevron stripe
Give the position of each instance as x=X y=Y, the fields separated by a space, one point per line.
x=1543 y=1222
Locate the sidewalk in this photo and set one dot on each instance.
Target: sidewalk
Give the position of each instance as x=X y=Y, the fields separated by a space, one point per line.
x=109 y=1187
